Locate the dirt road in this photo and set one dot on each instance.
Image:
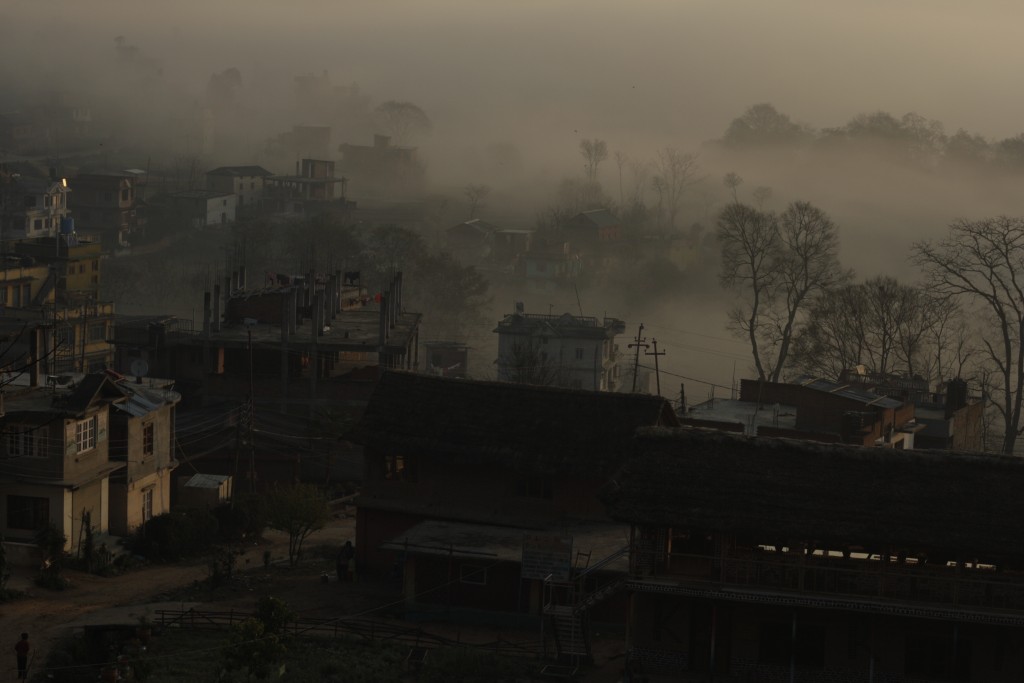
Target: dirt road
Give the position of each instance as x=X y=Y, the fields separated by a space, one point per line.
x=48 y=615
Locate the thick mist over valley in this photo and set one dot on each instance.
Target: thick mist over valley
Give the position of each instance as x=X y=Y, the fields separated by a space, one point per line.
x=511 y=91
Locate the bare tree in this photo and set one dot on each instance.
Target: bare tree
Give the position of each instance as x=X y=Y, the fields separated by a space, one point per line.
x=732 y=180
x=640 y=173
x=525 y=363
x=403 y=120
x=890 y=327
x=475 y=195
x=620 y=161
x=594 y=152
x=806 y=263
x=676 y=172
x=762 y=194
x=777 y=265
x=981 y=262
x=749 y=239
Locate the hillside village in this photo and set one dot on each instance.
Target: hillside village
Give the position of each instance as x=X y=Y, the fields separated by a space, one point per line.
x=310 y=326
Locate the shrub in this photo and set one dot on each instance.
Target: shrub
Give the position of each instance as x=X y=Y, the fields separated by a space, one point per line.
x=175 y=535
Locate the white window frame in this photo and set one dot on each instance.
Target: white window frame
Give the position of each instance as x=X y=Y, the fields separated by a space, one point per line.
x=21 y=443
x=85 y=434
x=147 y=504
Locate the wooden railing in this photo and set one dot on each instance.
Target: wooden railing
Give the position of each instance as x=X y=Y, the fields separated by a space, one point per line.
x=936 y=584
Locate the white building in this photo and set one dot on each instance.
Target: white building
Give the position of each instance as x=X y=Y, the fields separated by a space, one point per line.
x=202 y=208
x=565 y=350
x=245 y=182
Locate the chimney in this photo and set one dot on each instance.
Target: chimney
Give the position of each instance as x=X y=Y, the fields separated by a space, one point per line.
x=682 y=399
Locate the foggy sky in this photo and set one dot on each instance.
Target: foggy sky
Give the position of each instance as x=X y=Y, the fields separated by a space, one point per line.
x=543 y=74
x=634 y=73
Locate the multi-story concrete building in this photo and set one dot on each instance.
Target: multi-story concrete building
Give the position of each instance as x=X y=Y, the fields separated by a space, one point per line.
x=565 y=350
x=105 y=204
x=91 y=443
x=32 y=207
x=245 y=182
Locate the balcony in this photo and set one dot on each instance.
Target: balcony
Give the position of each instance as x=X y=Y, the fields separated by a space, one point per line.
x=820 y=576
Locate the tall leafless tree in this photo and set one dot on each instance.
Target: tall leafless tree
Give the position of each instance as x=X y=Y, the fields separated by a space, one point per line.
x=593 y=152
x=403 y=120
x=777 y=265
x=732 y=180
x=475 y=195
x=981 y=262
x=806 y=263
x=676 y=171
x=749 y=240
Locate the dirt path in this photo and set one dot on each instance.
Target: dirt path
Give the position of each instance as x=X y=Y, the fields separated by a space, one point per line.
x=47 y=615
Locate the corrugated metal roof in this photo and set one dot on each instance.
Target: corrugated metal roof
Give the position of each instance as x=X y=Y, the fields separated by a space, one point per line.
x=848 y=391
x=206 y=481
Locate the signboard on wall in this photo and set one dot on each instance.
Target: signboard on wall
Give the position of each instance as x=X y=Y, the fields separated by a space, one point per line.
x=545 y=556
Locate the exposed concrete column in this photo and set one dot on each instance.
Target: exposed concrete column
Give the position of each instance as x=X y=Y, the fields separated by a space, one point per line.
x=215 y=324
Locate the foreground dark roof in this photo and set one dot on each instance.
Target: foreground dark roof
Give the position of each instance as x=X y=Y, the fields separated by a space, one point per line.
x=964 y=504
x=541 y=428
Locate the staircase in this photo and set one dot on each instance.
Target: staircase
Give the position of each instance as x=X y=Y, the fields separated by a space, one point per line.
x=566 y=604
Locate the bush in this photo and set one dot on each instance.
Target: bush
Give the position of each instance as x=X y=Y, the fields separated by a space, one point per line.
x=176 y=535
x=245 y=519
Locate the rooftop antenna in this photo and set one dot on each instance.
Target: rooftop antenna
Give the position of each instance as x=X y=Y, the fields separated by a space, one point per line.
x=578 y=304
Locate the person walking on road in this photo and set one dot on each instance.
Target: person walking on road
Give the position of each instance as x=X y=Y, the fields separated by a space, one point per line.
x=21 y=648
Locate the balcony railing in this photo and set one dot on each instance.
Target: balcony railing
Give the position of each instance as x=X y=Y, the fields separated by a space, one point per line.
x=934 y=584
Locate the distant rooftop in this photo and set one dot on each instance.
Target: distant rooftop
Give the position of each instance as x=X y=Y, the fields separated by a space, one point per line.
x=239 y=171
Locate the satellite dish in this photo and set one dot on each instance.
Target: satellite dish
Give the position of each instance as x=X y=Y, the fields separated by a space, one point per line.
x=139 y=367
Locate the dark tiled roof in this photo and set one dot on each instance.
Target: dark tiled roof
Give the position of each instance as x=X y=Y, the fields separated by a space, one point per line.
x=601 y=218
x=783 y=489
x=238 y=171
x=529 y=427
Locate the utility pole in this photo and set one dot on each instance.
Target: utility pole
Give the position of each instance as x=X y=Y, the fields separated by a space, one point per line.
x=638 y=342
x=252 y=411
x=656 y=353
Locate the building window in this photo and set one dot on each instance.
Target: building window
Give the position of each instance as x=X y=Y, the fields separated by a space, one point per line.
x=3 y=296
x=98 y=332
x=398 y=468
x=576 y=384
x=147 y=439
x=21 y=443
x=147 y=505
x=473 y=573
x=16 y=290
x=71 y=269
x=96 y=265
x=27 y=512
x=85 y=435
x=81 y=268
x=37 y=224
x=579 y=353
